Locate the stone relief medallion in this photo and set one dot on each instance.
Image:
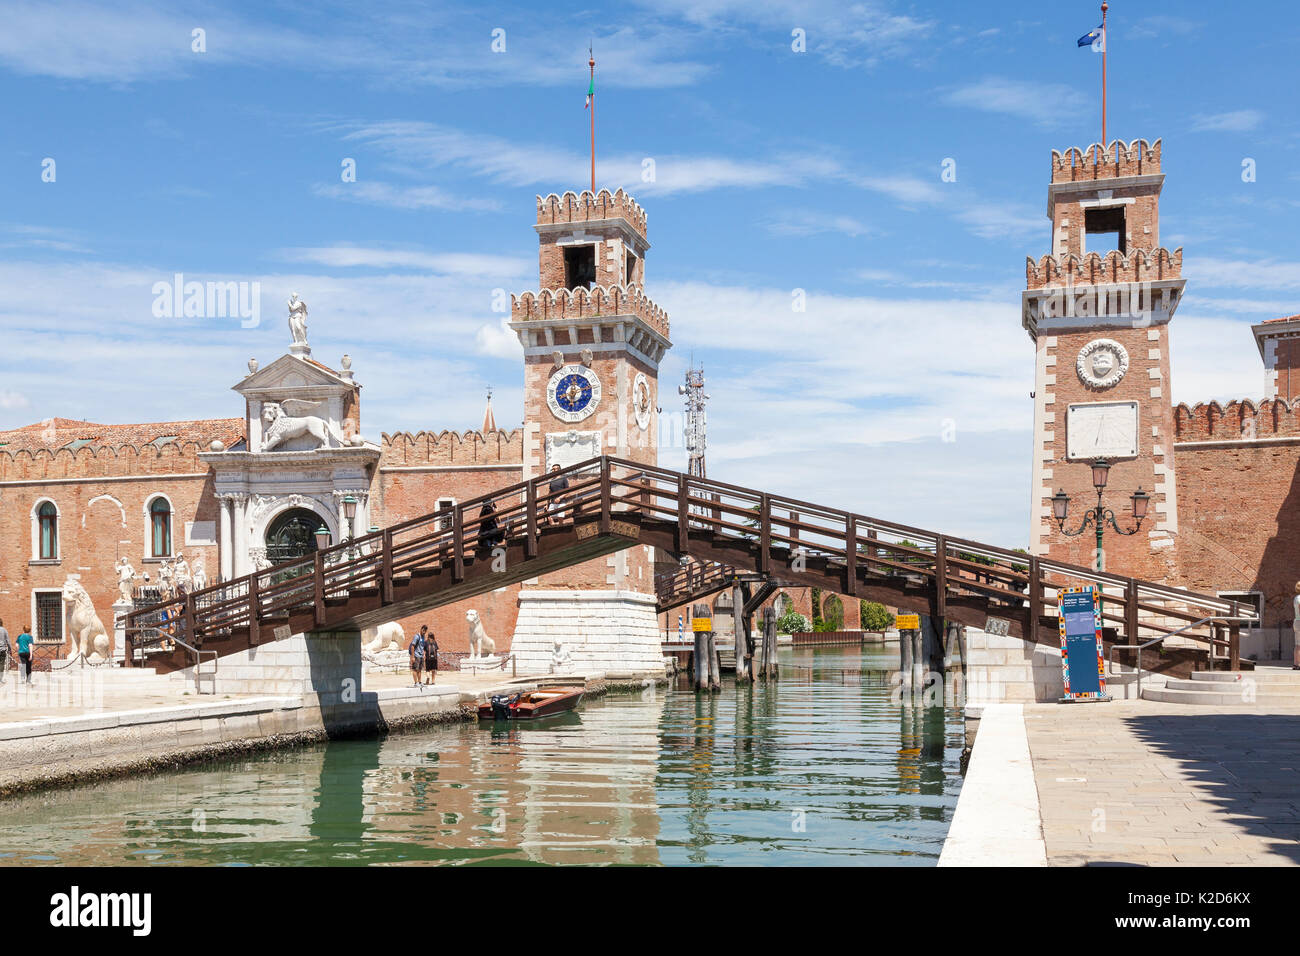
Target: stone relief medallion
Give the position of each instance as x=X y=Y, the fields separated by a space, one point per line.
x=1102 y=363
x=573 y=393
x=641 y=400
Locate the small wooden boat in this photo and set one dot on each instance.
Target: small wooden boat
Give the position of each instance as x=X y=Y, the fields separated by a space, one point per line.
x=530 y=705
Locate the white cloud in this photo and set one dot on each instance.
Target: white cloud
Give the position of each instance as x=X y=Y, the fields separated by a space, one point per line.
x=402 y=197
x=498 y=341
x=10 y=399
x=1035 y=101
x=381 y=257
x=1237 y=121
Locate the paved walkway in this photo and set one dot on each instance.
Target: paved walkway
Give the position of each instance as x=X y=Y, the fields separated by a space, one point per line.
x=1138 y=782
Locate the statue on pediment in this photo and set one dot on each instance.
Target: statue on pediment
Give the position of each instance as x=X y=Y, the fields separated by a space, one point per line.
x=298 y=320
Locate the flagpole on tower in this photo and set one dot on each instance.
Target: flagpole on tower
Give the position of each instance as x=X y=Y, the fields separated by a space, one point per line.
x=1105 y=51
x=591 y=62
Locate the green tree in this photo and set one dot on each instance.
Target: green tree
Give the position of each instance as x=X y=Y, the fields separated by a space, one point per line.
x=875 y=617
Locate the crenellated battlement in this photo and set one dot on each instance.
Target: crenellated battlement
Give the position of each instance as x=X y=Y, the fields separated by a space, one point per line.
x=448 y=447
x=1137 y=158
x=599 y=301
x=1096 y=269
x=101 y=461
x=586 y=206
x=1239 y=420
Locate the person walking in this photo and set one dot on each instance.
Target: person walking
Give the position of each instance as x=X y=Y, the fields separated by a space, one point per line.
x=25 y=654
x=430 y=655
x=416 y=650
x=5 y=651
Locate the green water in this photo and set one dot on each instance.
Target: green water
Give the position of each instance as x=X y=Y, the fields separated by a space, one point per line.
x=825 y=767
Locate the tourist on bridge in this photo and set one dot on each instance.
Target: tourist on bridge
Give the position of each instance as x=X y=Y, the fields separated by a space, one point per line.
x=558 y=483
x=25 y=655
x=430 y=654
x=417 y=651
x=5 y=650
x=489 y=532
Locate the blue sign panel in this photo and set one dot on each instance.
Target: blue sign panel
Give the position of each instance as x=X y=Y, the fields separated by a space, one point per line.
x=1082 y=661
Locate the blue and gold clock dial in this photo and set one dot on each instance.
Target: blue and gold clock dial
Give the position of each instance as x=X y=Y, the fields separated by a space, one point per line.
x=572 y=393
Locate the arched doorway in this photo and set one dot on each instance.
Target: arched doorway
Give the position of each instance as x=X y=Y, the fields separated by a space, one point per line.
x=292 y=535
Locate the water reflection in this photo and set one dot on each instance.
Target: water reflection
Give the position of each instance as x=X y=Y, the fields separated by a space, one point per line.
x=825 y=766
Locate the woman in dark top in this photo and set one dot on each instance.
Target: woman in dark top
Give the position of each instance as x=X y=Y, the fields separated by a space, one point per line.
x=431 y=657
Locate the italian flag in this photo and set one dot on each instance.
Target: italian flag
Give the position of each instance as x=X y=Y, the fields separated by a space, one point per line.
x=591 y=93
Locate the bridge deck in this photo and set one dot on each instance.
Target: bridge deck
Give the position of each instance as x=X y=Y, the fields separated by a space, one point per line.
x=612 y=504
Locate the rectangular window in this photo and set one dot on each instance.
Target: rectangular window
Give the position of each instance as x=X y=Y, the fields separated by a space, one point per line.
x=49 y=616
x=445 y=504
x=631 y=270
x=162 y=534
x=579 y=267
x=1107 y=226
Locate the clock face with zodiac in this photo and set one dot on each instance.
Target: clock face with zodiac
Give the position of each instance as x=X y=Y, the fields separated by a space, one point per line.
x=573 y=393
x=641 y=400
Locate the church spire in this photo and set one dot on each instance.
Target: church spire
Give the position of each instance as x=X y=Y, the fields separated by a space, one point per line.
x=489 y=420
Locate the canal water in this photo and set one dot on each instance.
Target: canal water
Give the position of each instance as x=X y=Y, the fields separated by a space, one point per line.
x=825 y=767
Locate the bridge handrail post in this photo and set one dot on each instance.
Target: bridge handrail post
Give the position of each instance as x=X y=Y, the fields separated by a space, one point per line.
x=1035 y=597
x=190 y=623
x=318 y=586
x=530 y=519
x=458 y=542
x=1234 y=646
x=254 y=609
x=851 y=555
x=1131 y=610
x=764 y=533
x=386 y=568
x=606 y=496
x=683 y=514
x=940 y=579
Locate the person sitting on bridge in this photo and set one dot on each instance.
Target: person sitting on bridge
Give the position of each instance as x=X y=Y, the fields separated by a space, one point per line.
x=558 y=483
x=489 y=532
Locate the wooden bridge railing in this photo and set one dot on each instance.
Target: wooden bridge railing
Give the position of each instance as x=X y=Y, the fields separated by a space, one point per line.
x=757 y=530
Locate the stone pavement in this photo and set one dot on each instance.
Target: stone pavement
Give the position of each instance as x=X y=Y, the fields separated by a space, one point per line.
x=1139 y=782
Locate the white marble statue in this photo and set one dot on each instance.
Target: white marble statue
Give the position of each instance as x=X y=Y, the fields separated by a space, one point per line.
x=298 y=319
x=125 y=580
x=480 y=645
x=181 y=574
x=199 y=572
x=260 y=561
x=279 y=426
x=166 y=581
x=89 y=639
x=561 y=659
x=388 y=637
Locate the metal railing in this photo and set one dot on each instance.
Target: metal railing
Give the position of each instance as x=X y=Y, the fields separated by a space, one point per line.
x=1232 y=644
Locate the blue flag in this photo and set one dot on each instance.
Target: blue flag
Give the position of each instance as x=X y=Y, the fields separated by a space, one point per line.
x=1091 y=37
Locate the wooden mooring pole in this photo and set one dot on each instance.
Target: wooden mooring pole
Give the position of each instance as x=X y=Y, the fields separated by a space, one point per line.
x=699 y=660
x=768 y=653
x=742 y=633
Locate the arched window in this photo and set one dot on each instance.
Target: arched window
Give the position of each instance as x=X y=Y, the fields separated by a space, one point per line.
x=47 y=518
x=160 y=528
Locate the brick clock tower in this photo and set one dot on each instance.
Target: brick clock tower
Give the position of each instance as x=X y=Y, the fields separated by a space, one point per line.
x=1098 y=310
x=592 y=347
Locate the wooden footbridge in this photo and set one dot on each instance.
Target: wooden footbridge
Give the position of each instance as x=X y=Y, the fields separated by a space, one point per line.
x=726 y=530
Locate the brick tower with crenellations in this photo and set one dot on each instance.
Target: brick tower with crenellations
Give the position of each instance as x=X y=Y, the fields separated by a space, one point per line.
x=1098 y=309
x=592 y=344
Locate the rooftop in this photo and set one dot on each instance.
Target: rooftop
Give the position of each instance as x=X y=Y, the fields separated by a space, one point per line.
x=53 y=434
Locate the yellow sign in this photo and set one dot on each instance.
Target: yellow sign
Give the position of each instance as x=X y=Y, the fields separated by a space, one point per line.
x=701 y=624
x=908 y=622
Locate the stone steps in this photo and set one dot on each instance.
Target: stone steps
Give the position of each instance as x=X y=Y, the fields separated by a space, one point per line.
x=1225 y=687
x=1262 y=675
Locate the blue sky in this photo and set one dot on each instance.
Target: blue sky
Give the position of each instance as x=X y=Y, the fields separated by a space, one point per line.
x=774 y=170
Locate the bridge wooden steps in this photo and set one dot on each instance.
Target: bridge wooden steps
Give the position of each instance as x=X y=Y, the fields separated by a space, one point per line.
x=724 y=531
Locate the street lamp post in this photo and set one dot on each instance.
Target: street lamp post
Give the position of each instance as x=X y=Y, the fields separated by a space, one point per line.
x=1099 y=516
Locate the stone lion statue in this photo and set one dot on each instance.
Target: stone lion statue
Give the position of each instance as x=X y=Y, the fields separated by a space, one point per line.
x=480 y=645
x=279 y=426
x=89 y=639
x=388 y=637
